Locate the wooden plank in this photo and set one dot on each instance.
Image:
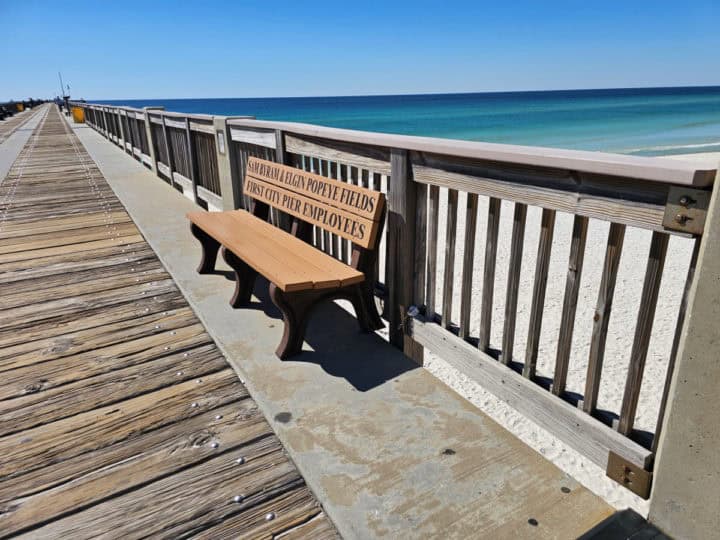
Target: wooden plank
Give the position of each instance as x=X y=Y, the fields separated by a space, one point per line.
x=468 y=262
x=421 y=224
x=187 y=502
x=30 y=409
x=511 y=298
x=360 y=156
x=643 y=330
x=488 y=290
x=256 y=137
x=449 y=272
x=149 y=457
x=434 y=198
x=582 y=432
x=542 y=266
x=567 y=319
x=362 y=202
x=682 y=312
x=602 y=316
x=626 y=211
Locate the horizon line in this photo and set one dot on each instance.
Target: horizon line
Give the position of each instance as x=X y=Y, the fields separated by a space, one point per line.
x=423 y=93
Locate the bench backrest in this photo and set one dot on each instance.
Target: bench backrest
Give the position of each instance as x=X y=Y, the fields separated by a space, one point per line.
x=351 y=212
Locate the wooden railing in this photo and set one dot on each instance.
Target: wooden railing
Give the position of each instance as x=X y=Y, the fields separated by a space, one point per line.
x=446 y=199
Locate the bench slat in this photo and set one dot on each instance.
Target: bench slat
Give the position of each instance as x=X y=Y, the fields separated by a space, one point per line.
x=283 y=259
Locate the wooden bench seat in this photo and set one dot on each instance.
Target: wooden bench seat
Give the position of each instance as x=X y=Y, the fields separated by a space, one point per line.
x=301 y=276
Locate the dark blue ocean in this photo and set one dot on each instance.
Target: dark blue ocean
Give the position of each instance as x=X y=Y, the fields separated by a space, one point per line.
x=644 y=121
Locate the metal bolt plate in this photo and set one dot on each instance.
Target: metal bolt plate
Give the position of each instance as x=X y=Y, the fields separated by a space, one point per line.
x=631 y=476
x=686 y=210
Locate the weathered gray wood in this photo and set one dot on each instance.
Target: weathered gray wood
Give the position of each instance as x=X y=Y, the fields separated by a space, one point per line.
x=567 y=319
x=257 y=137
x=191 y=157
x=168 y=151
x=421 y=217
x=547 y=229
x=402 y=201
x=511 y=298
x=643 y=330
x=601 y=318
x=431 y=275
x=584 y=433
x=676 y=343
x=449 y=272
x=488 y=291
x=361 y=156
x=616 y=165
x=468 y=261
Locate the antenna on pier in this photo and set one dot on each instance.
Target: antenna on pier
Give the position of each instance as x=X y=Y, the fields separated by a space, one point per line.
x=62 y=86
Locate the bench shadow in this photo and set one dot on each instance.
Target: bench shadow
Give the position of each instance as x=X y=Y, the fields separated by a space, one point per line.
x=338 y=346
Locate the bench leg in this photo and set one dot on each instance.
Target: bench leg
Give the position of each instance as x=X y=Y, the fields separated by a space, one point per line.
x=364 y=303
x=210 y=248
x=295 y=309
x=244 y=278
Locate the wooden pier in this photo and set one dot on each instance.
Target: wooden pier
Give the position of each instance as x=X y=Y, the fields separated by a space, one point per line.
x=119 y=417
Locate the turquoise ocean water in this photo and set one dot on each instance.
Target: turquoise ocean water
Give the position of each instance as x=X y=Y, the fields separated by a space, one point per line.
x=641 y=121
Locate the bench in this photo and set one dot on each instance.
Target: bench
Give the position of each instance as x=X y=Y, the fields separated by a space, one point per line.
x=300 y=275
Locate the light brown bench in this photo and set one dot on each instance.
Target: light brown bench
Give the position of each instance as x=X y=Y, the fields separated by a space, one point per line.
x=300 y=275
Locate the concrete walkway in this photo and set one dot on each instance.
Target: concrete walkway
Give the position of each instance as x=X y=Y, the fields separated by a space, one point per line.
x=389 y=450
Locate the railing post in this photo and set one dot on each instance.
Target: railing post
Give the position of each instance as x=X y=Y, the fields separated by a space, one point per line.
x=686 y=490
x=400 y=274
x=150 y=137
x=230 y=188
x=191 y=158
x=121 y=127
x=169 y=151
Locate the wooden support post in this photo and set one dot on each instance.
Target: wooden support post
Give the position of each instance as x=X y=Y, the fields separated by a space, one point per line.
x=151 y=137
x=230 y=189
x=121 y=127
x=191 y=158
x=130 y=132
x=684 y=500
x=169 y=152
x=400 y=279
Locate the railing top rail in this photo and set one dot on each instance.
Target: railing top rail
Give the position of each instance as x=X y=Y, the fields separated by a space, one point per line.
x=696 y=173
x=657 y=169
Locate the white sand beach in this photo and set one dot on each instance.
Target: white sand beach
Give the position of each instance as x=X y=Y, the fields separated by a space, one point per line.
x=620 y=333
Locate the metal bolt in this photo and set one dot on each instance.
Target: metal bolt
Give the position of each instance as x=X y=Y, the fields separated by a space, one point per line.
x=147 y=309
x=157 y=327
x=684 y=200
x=269 y=516
x=179 y=373
x=173 y=333
x=185 y=355
x=239 y=498
x=240 y=460
x=214 y=445
x=681 y=219
x=218 y=416
x=198 y=381
x=194 y=405
x=167 y=348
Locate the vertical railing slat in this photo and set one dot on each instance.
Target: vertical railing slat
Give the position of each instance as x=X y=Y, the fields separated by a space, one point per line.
x=601 y=318
x=468 y=264
x=421 y=218
x=431 y=273
x=643 y=330
x=449 y=273
x=516 y=250
x=567 y=319
x=542 y=266
x=488 y=290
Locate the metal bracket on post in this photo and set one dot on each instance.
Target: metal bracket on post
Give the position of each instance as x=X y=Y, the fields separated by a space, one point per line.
x=686 y=210
x=631 y=476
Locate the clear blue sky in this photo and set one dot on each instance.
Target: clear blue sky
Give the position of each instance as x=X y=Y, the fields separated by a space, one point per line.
x=123 y=49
